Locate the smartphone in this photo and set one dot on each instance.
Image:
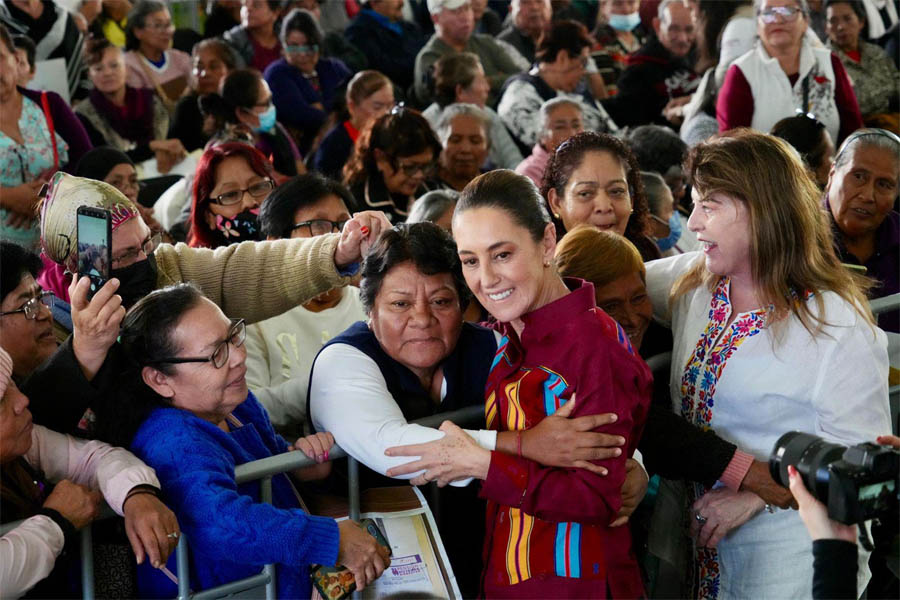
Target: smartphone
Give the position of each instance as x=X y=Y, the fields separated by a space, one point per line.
x=94 y=234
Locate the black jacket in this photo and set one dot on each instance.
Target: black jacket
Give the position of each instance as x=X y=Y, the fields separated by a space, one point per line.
x=391 y=53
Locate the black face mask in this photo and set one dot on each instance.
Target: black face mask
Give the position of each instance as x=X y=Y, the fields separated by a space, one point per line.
x=242 y=227
x=136 y=281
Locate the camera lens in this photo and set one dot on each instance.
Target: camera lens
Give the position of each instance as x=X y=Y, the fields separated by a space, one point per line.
x=810 y=455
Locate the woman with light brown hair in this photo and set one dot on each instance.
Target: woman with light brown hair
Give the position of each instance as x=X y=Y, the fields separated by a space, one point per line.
x=770 y=334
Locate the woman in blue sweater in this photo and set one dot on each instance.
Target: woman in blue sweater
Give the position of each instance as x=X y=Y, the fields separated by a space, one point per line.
x=194 y=421
x=304 y=84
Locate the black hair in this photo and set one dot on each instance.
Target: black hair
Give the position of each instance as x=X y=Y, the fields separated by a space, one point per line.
x=239 y=89
x=23 y=42
x=855 y=5
x=429 y=247
x=570 y=154
x=137 y=19
x=656 y=148
x=98 y=162
x=303 y=21
x=451 y=70
x=148 y=335
x=221 y=48
x=399 y=133
x=276 y=215
x=15 y=263
x=807 y=137
x=510 y=192
x=567 y=35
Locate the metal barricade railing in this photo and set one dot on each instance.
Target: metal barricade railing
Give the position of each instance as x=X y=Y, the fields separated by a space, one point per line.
x=263 y=469
x=883 y=305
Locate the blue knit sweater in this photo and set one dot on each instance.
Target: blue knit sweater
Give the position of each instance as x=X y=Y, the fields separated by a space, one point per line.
x=231 y=533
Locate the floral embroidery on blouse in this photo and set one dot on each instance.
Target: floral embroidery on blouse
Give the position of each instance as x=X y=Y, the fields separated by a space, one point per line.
x=698 y=387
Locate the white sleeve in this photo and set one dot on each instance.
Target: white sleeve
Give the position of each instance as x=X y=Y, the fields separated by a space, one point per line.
x=661 y=276
x=114 y=471
x=27 y=554
x=738 y=38
x=349 y=398
x=851 y=394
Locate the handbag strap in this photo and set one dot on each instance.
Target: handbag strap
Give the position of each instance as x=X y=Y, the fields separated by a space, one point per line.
x=169 y=103
x=45 y=104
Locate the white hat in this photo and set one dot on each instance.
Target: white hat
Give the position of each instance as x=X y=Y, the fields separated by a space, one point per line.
x=436 y=6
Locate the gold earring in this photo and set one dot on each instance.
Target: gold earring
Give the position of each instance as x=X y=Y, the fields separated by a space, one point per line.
x=556 y=215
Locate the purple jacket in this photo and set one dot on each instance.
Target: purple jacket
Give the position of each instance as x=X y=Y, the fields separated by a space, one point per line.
x=66 y=125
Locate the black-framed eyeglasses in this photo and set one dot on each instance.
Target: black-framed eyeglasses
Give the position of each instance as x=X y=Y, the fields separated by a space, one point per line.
x=32 y=308
x=317 y=227
x=129 y=257
x=259 y=189
x=410 y=169
x=237 y=333
x=787 y=13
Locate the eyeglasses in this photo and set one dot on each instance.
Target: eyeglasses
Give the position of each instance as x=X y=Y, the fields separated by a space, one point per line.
x=787 y=13
x=159 y=26
x=237 y=333
x=257 y=190
x=310 y=49
x=129 y=257
x=410 y=169
x=317 y=227
x=32 y=308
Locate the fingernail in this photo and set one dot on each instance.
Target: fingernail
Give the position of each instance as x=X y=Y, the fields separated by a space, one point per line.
x=320 y=457
x=621 y=441
x=617 y=451
x=364 y=230
x=326 y=455
x=605 y=472
x=615 y=418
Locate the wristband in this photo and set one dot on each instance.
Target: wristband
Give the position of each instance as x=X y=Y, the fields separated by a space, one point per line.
x=66 y=525
x=140 y=489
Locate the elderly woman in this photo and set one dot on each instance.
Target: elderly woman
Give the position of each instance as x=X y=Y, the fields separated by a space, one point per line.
x=790 y=73
x=561 y=118
x=115 y=114
x=231 y=181
x=434 y=207
x=860 y=197
x=51 y=481
x=392 y=158
x=150 y=60
x=619 y=32
x=463 y=130
x=192 y=418
x=244 y=110
x=212 y=60
x=30 y=148
x=874 y=75
x=562 y=57
x=547 y=527
x=415 y=357
x=255 y=40
x=594 y=178
x=459 y=77
x=369 y=95
x=771 y=334
x=304 y=84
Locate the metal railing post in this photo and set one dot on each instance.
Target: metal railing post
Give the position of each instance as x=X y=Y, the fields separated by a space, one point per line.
x=353 y=487
x=269 y=569
x=184 y=570
x=87 y=563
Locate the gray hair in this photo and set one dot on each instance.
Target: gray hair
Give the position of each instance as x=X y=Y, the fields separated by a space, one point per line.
x=462 y=109
x=869 y=137
x=661 y=10
x=432 y=206
x=654 y=190
x=137 y=18
x=552 y=104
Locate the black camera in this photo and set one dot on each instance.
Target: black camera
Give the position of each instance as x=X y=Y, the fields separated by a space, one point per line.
x=858 y=483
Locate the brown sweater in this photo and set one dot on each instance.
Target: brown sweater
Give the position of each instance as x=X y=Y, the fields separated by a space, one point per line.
x=255 y=280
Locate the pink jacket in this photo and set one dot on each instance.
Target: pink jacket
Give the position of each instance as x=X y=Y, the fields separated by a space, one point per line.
x=28 y=552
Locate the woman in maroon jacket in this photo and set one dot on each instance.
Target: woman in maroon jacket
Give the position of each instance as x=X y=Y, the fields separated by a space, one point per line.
x=548 y=529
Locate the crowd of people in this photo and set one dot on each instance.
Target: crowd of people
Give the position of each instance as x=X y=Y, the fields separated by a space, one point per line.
x=328 y=219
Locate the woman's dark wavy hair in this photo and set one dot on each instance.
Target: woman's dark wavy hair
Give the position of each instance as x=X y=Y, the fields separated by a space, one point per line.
x=567 y=35
x=276 y=215
x=429 y=247
x=568 y=157
x=15 y=263
x=399 y=133
x=238 y=89
x=148 y=333
x=805 y=135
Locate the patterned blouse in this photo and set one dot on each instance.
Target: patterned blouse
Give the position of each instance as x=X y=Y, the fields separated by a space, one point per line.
x=22 y=163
